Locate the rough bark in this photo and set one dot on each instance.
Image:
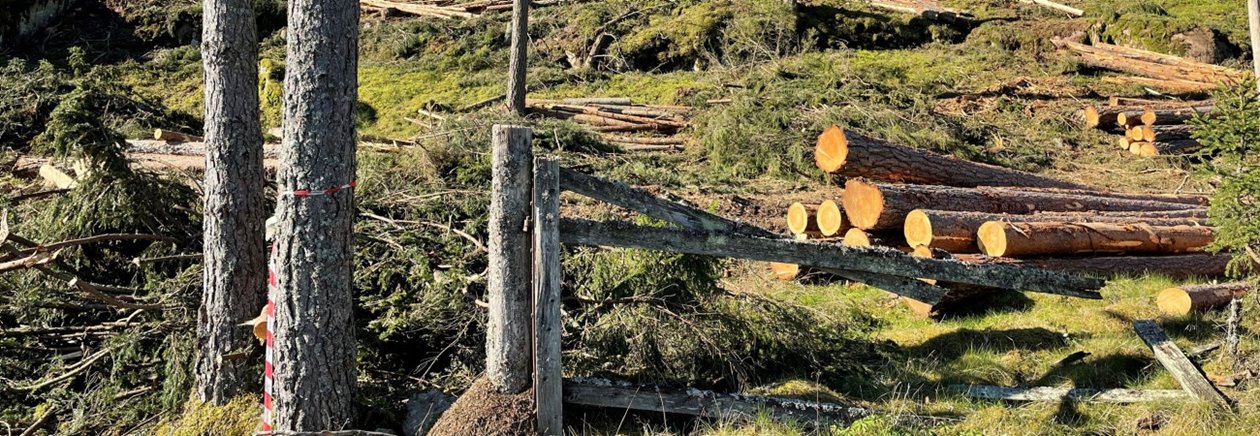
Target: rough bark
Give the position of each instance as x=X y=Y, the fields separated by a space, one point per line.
x=957 y=296
x=509 y=278
x=1178 y=365
x=853 y=155
x=1171 y=116
x=1165 y=133
x=955 y=231
x=876 y=260
x=882 y=206
x=314 y=321
x=1108 y=117
x=997 y=238
x=1200 y=298
x=1167 y=148
x=1057 y=394
x=234 y=269
x=548 y=324
x=1181 y=266
x=519 y=60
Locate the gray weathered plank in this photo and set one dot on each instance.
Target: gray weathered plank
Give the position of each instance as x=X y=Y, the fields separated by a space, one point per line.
x=1046 y=393
x=547 y=279
x=509 y=284
x=1178 y=365
x=604 y=393
x=691 y=218
x=877 y=260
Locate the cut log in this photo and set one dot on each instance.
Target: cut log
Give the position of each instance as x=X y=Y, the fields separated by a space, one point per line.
x=57 y=178
x=928 y=10
x=1058 y=7
x=1168 y=148
x=1169 y=85
x=997 y=238
x=1072 y=394
x=1154 y=104
x=167 y=135
x=1165 y=133
x=1190 y=200
x=803 y=220
x=1171 y=116
x=874 y=260
x=1134 y=134
x=1199 y=298
x=1197 y=213
x=881 y=206
x=955 y=231
x=1178 y=365
x=841 y=152
x=1148 y=63
x=785 y=272
x=831 y=221
x=1125 y=142
x=1179 y=266
x=417 y=9
x=1105 y=117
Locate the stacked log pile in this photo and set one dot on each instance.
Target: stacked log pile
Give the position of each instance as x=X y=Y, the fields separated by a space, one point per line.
x=632 y=127
x=938 y=206
x=444 y=8
x=1149 y=128
x=1168 y=72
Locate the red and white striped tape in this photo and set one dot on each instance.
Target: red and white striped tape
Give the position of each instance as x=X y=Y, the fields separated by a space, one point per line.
x=272 y=289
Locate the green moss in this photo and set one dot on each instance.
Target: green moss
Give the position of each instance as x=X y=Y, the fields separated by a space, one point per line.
x=238 y=417
x=396 y=94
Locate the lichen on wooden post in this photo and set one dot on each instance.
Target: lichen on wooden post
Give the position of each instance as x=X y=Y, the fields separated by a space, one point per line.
x=509 y=280
x=547 y=278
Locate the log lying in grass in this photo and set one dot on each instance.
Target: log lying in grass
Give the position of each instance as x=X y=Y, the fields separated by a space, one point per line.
x=1105 y=117
x=955 y=231
x=1075 y=394
x=1171 y=116
x=1165 y=133
x=1199 y=298
x=1180 y=266
x=997 y=238
x=167 y=135
x=1178 y=365
x=853 y=155
x=879 y=261
x=1169 y=85
x=1166 y=148
x=1058 y=7
x=884 y=206
x=1155 y=104
x=1149 y=64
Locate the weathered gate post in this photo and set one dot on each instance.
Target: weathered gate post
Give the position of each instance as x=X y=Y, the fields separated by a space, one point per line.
x=510 y=282
x=547 y=278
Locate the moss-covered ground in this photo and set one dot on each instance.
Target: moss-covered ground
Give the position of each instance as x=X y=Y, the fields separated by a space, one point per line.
x=997 y=92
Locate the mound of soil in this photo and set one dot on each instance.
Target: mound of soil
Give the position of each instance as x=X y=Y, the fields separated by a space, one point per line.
x=482 y=411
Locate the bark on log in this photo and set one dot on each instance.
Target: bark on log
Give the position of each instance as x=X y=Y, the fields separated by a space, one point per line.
x=1178 y=365
x=955 y=231
x=880 y=206
x=1106 y=117
x=1168 y=85
x=927 y=10
x=509 y=280
x=1190 y=200
x=957 y=296
x=1147 y=63
x=1199 y=298
x=1168 y=148
x=1056 y=394
x=1166 y=133
x=875 y=260
x=1180 y=266
x=1172 y=116
x=171 y=136
x=997 y=238
x=1155 y=104
x=853 y=155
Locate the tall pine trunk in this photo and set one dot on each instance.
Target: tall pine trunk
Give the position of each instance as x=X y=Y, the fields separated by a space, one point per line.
x=314 y=345
x=518 y=61
x=235 y=266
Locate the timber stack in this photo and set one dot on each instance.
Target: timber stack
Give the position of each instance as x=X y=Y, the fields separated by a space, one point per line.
x=443 y=8
x=931 y=205
x=1157 y=70
x=631 y=127
x=1149 y=127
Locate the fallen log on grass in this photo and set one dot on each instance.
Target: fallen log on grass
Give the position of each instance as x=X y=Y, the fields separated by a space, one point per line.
x=1183 y=300
x=1058 y=7
x=955 y=231
x=172 y=136
x=1057 y=394
x=841 y=152
x=1172 y=116
x=1165 y=133
x=998 y=239
x=417 y=9
x=1165 y=148
x=1149 y=64
x=1180 y=266
x=928 y=10
x=1106 y=117
x=1178 y=365
x=1168 y=85
x=881 y=206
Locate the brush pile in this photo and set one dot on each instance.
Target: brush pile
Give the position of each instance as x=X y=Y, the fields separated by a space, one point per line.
x=1157 y=70
x=1149 y=127
x=931 y=205
x=619 y=122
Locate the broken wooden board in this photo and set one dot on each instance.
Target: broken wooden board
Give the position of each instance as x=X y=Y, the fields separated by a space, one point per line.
x=1047 y=393
x=1179 y=366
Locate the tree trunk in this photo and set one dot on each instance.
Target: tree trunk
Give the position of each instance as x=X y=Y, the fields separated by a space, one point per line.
x=997 y=238
x=234 y=271
x=1167 y=148
x=518 y=63
x=1172 y=116
x=852 y=155
x=881 y=206
x=1180 y=266
x=314 y=321
x=1199 y=298
x=955 y=231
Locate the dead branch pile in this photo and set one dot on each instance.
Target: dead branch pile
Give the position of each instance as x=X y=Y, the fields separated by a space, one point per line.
x=1168 y=72
x=931 y=205
x=1149 y=127
x=619 y=122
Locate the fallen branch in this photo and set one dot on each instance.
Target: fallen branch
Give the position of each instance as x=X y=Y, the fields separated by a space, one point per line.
x=1077 y=394
x=71 y=372
x=1178 y=365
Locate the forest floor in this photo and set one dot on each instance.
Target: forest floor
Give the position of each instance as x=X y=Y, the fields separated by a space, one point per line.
x=996 y=92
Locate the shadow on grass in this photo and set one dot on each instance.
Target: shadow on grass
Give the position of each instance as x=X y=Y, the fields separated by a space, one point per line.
x=955 y=344
x=1109 y=371
x=988 y=304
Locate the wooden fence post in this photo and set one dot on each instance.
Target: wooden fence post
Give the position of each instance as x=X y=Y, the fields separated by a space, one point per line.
x=519 y=60
x=1253 y=22
x=548 y=382
x=509 y=280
